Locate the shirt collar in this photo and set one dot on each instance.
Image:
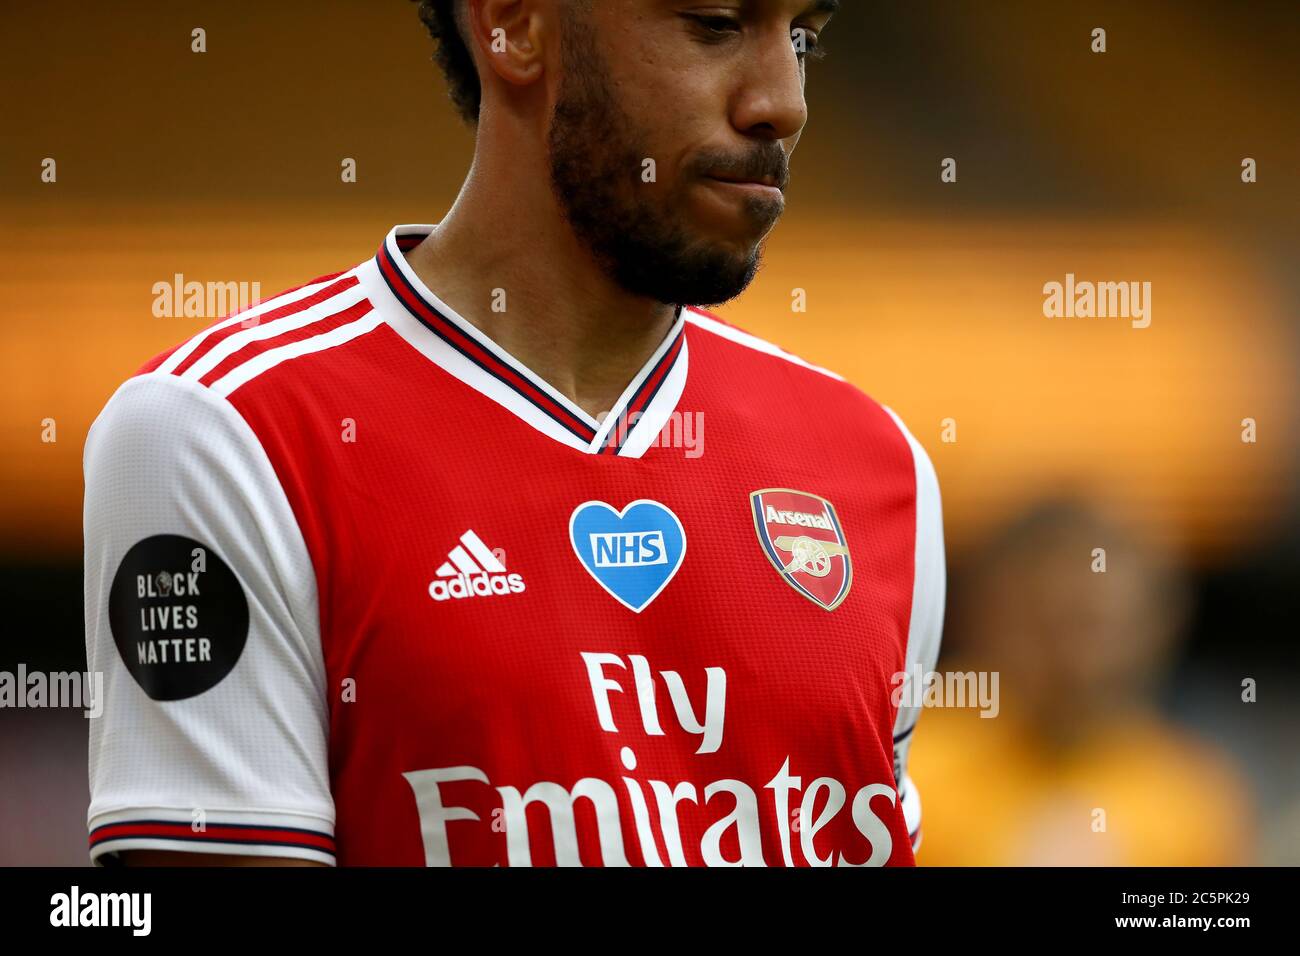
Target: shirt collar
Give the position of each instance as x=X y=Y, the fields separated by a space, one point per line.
x=458 y=347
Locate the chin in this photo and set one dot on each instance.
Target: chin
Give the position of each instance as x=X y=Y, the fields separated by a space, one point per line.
x=733 y=241
x=725 y=279
x=722 y=219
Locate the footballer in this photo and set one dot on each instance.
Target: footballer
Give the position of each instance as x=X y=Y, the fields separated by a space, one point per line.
x=410 y=566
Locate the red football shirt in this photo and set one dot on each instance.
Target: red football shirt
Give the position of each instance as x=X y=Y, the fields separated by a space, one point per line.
x=365 y=589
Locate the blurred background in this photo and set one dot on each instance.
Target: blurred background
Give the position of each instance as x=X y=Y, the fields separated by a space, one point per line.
x=1120 y=691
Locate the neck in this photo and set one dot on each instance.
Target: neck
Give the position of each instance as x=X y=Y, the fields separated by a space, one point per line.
x=555 y=311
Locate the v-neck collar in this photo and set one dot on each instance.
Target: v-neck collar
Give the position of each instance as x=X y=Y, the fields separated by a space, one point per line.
x=458 y=347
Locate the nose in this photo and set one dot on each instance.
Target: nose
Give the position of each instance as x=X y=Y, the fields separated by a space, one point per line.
x=769 y=100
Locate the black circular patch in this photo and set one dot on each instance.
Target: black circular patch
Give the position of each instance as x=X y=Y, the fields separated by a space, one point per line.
x=178 y=616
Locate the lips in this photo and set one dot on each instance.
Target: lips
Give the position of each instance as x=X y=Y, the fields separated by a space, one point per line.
x=768 y=181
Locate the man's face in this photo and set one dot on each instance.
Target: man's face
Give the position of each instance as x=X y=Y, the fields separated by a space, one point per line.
x=671 y=136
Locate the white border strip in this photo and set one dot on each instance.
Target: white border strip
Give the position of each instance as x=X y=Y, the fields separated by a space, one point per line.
x=752 y=341
x=258 y=333
x=185 y=351
x=317 y=343
x=469 y=328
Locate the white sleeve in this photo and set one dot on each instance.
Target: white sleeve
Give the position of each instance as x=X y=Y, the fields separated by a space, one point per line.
x=201 y=616
x=925 y=632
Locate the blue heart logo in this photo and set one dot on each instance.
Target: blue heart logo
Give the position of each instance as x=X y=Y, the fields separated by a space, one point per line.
x=632 y=554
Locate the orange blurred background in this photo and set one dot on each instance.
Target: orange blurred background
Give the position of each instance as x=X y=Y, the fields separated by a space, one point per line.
x=1116 y=166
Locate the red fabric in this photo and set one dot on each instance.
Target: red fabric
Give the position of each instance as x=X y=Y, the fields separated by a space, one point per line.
x=499 y=683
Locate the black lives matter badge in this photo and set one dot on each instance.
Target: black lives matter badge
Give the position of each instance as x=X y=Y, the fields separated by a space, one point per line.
x=178 y=615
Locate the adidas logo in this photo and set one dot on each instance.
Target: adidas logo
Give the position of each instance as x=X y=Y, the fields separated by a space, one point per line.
x=471 y=570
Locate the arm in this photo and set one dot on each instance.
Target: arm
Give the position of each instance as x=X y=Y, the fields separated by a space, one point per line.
x=926 y=629
x=201 y=615
x=168 y=858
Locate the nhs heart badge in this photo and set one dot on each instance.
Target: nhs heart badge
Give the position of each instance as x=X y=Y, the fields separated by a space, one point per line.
x=632 y=553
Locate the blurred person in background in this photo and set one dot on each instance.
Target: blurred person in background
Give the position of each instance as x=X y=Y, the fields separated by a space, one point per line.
x=1076 y=765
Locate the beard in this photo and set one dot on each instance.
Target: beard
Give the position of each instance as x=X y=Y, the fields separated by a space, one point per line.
x=597 y=156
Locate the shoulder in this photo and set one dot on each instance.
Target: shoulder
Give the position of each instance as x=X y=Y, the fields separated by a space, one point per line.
x=184 y=397
x=237 y=348
x=768 y=368
x=713 y=332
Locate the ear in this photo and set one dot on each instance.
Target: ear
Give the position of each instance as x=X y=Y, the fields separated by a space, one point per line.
x=508 y=36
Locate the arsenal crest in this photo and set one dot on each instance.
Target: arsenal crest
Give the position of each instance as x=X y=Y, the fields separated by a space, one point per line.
x=801 y=536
